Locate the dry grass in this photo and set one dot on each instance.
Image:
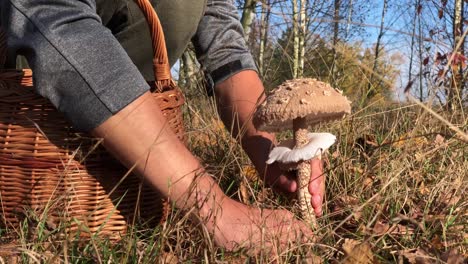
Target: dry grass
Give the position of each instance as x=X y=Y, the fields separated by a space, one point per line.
x=396 y=189
x=396 y=180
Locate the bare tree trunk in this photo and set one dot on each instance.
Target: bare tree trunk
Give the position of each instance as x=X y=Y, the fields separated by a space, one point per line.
x=181 y=79
x=295 y=38
x=336 y=28
x=302 y=34
x=413 y=40
x=413 y=37
x=248 y=15
x=456 y=86
x=188 y=69
x=265 y=20
x=421 y=55
x=371 y=91
x=350 y=16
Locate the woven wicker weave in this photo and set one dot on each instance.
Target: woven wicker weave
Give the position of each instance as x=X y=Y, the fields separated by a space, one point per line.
x=65 y=178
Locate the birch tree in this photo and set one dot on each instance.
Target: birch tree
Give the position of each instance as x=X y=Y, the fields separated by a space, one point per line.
x=299 y=32
x=336 y=28
x=265 y=25
x=458 y=62
x=302 y=35
x=248 y=15
x=188 y=69
x=295 y=26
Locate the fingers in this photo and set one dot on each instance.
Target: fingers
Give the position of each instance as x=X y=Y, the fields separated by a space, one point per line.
x=287 y=184
x=290 y=230
x=317 y=185
x=280 y=180
x=317 y=204
x=317 y=191
x=254 y=229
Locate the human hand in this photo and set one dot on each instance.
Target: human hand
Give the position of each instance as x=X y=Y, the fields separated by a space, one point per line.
x=235 y=225
x=285 y=182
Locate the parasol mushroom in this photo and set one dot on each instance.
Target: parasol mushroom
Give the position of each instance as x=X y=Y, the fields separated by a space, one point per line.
x=297 y=104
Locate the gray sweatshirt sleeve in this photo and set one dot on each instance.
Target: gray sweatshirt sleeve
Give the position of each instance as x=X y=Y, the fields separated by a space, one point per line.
x=219 y=42
x=77 y=62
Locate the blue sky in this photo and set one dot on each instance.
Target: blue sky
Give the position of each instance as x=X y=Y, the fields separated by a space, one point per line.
x=397 y=38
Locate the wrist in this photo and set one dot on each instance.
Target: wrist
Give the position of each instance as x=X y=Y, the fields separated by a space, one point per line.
x=206 y=199
x=258 y=146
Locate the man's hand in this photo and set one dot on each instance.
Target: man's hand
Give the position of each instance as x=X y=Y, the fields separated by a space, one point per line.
x=238 y=97
x=235 y=225
x=285 y=182
x=317 y=185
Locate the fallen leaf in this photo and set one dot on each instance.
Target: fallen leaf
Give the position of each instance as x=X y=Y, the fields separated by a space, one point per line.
x=380 y=228
x=357 y=252
x=401 y=230
x=437 y=243
x=423 y=189
x=347 y=200
x=169 y=258
x=349 y=245
x=408 y=140
x=439 y=140
x=453 y=257
x=356 y=170
x=10 y=260
x=417 y=256
x=419 y=156
x=312 y=259
x=249 y=172
x=367 y=183
x=347 y=205
x=249 y=175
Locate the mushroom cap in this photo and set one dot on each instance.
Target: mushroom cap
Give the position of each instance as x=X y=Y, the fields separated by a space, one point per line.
x=311 y=99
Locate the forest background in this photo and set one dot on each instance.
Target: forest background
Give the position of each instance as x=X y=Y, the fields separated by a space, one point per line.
x=397 y=176
x=403 y=65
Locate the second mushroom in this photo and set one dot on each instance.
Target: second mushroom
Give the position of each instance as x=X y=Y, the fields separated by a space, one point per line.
x=297 y=104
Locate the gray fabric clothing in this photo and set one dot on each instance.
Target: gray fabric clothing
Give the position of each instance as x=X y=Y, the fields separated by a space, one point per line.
x=129 y=26
x=77 y=63
x=82 y=68
x=220 y=39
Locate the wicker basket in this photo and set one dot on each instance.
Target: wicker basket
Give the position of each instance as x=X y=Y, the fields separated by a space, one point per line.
x=66 y=179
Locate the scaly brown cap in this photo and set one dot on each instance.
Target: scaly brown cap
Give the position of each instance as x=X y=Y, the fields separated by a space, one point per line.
x=314 y=100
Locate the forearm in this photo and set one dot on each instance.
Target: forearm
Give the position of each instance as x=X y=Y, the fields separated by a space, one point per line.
x=141 y=139
x=237 y=98
x=84 y=71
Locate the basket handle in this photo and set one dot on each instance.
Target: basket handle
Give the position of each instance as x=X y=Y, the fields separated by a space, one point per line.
x=161 y=66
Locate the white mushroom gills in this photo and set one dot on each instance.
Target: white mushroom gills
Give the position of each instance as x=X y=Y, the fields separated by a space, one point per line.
x=287 y=153
x=303 y=173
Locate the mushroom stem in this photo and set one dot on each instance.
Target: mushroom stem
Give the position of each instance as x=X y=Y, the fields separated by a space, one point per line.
x=303 y=173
